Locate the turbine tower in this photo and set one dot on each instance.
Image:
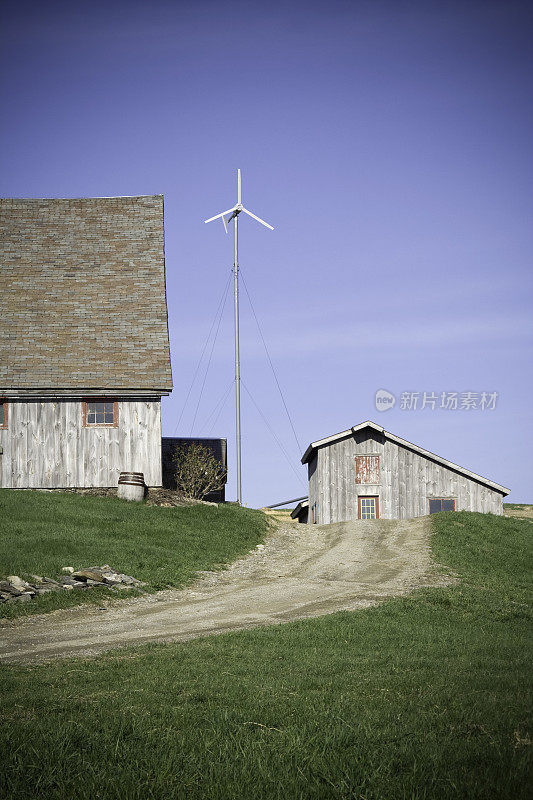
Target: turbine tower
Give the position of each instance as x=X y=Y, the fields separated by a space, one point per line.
x=233 y=214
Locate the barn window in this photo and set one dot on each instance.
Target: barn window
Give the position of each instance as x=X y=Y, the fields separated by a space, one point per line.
x=368 y=508
x=3 y=413
x=367 y=469
x=100 y=413
x=437 y=504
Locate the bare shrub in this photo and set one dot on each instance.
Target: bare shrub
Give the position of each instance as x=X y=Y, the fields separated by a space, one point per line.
x=198 y=472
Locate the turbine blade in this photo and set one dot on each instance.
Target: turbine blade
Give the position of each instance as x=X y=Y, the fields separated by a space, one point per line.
x=239 y=186
x=228 y=211
x=225 y=223
x=262 y=221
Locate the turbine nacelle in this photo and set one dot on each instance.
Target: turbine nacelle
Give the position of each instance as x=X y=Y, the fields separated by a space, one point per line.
x=231 y=213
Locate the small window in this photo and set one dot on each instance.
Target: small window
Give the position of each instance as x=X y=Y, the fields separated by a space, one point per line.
x=100 y=413
x=368 y=508
x=314 y=514
x=3 y=413
x=437 y=504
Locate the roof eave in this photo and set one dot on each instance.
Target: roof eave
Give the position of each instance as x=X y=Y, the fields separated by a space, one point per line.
x=337 y=436
x=426 y=453
x=95 y=391
x=449 y=464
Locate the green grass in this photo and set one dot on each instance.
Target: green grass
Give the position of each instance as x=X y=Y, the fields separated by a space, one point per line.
x=40 y=532
x=420 y=698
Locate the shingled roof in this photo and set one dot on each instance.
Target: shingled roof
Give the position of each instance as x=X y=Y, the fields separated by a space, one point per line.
x=82 y=297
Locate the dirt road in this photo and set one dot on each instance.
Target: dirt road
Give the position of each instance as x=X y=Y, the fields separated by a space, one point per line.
x=302 y=571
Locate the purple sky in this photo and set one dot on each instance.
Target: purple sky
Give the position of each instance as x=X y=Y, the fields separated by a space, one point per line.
x=389 y=143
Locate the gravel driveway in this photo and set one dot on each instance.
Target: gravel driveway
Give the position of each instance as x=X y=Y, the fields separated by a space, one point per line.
x=302 y=571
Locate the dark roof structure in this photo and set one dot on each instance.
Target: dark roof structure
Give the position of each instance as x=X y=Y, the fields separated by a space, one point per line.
x=301 y=510
x=82 y=297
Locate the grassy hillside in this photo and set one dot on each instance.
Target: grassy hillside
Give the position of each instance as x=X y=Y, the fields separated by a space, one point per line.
x=421 y=698
x=40 y=532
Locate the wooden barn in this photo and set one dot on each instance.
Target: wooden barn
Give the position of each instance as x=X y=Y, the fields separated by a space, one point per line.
x=366 y=472
x=84 y=348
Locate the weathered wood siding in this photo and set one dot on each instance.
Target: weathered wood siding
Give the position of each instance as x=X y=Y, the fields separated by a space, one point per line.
x=313 y=487
x=46 y=446
x=407 y=481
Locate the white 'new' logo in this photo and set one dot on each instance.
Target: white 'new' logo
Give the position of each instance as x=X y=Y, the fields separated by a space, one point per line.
x=384 y=400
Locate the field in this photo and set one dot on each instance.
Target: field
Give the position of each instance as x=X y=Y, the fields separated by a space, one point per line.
x=424 y=697
x=41 y=532
x=523 y=510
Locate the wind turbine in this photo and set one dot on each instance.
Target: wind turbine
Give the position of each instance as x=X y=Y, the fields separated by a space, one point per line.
x=233 y=214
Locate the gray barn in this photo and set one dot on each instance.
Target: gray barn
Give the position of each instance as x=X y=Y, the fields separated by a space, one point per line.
x=84 y=349
x=366 y=472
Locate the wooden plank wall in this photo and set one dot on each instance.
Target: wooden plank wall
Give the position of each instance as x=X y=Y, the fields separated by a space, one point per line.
x=407 y=481
x=46 y=446
x=313 y=485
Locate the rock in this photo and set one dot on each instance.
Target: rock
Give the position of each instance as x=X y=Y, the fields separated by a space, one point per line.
x=260 y=547
x=17 y=582
x=15 y=588
x=8 y=588
x=111 y=580
x=126 y=579
x=25 y=597
x=48 y=582
x=93 y=574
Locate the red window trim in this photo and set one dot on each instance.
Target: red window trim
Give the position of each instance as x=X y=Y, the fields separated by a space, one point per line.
x=5 y=404
x=113 y=424
x=365 y=497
